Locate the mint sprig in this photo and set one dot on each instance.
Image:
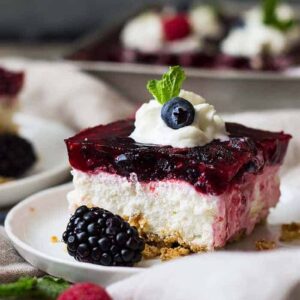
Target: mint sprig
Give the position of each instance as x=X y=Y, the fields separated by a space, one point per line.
x=271 y=18
x=169 y=86
x=47 y=287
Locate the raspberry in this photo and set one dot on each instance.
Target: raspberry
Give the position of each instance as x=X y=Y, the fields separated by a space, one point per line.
x=97 y=236
x=176 y=27
x=84 y=291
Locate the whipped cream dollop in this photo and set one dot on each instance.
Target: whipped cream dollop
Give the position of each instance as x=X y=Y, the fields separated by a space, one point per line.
x=151 y=129
x=145 y=33
x=255 y=37
x=252 y=41
x=205 y=21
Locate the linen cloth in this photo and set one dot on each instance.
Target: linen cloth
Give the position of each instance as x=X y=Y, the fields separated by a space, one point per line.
x=12 y=266
x=61 y=92
x=221 y=275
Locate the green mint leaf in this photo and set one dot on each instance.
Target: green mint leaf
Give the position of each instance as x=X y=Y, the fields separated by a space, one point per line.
x=270 y=16
x=51 y=287
x=46 y=288
x=169 y=86
x=21 y=287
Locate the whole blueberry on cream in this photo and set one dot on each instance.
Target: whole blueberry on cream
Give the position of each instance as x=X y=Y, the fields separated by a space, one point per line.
x=176 y=117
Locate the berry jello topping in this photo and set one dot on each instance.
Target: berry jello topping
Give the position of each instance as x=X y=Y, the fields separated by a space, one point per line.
x=209 y=154
x=97 y=236
x=10 y=82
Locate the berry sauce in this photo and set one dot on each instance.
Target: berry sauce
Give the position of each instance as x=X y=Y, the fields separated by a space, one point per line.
x=210 y=169
x=11 y=83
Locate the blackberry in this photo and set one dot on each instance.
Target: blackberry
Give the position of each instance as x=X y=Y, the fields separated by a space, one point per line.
x=97 y=236
x=16 y=155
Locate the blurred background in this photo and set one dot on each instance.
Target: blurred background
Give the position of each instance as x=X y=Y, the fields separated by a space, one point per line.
x=46 y=27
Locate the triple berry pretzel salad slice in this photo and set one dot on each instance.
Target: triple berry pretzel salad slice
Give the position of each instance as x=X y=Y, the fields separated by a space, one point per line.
x=178 y=172
x=11 y=84
x=16 y=153
x=188 y=37
x=266 y=38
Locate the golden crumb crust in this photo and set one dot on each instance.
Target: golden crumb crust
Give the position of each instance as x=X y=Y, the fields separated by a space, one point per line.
x=290 y=232
x=166 y=246
x=264 y=245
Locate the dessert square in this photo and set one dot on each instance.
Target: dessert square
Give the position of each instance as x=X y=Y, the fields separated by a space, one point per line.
x=187 y=180
x=200 y=197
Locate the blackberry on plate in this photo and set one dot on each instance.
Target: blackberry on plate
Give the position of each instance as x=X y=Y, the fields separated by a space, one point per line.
x=16 y=155
x=97 y=236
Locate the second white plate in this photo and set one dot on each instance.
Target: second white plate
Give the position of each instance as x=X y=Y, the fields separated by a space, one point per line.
x=52 y=166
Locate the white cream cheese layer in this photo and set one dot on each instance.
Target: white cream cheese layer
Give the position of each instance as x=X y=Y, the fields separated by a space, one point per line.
x=162 y=204
x=151 y=129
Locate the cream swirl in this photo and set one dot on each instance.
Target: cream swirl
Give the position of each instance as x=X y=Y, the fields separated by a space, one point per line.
x=151 y=129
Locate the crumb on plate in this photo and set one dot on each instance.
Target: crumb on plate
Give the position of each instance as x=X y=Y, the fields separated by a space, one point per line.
x=263 y=245
x=171 y=253
x=290 y=232
x=54 y=239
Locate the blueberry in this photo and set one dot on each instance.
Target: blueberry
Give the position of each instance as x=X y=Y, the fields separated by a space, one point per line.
x=239 y=23
x=178 y=113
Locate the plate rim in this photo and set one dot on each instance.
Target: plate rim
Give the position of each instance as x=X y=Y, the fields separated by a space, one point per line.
x=18 y=243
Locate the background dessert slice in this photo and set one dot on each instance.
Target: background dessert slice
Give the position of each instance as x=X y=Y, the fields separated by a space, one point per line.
x=16 y=153
x=11 y=84
x=266 y=39
x=188 y=37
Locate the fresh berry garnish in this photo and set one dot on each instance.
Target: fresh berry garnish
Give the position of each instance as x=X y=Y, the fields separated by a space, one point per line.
x=176 y=27
x=16 y=155
x=10 y=82
x=84 y=291
x=97 y=236
x=178 y=113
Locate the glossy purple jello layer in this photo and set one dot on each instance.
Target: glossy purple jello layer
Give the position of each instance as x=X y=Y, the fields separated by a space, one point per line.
x=211 y=168
x=11 y=83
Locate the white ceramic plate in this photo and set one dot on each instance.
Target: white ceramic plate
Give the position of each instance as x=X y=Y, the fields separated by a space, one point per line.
x=52 y=166
x=31 y=224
